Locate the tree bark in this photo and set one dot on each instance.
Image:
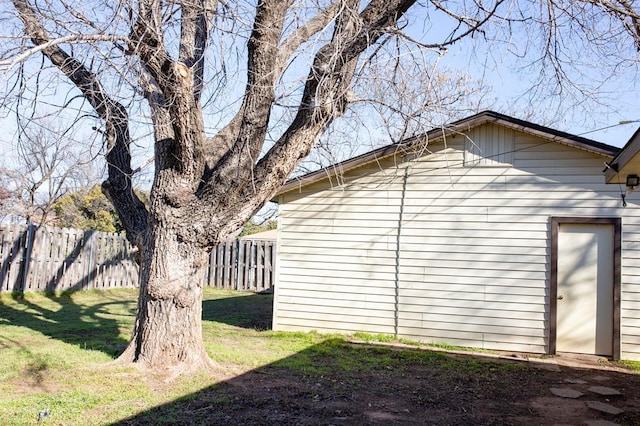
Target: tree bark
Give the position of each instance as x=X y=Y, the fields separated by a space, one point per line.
x=168 y=328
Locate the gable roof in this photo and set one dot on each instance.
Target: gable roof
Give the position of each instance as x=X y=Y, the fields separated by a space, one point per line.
x=456 y=127
x=626 y=162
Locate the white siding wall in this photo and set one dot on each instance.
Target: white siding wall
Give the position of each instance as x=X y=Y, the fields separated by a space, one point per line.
x=336 y=258
x=630 y=304
x=474 y=247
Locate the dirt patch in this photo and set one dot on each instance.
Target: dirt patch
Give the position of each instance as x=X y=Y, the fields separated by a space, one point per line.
x=406 y=390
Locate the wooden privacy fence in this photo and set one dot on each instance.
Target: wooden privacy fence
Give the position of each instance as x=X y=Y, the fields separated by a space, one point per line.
x=59 y=259
x=243 y=265
x=47 y=259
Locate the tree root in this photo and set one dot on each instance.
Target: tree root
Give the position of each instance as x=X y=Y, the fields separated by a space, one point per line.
x=195 y=364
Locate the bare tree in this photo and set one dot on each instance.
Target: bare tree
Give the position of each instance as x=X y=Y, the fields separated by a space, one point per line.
x=301 y=62
x=6 y=195
x=47 y=164
x=392 y=103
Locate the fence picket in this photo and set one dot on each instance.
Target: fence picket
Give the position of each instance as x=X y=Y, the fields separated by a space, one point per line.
x=17 y=256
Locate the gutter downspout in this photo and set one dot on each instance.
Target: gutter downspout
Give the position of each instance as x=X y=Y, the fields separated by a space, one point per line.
x=397 y=266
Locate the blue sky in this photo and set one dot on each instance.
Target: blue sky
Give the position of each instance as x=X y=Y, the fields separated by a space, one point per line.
x=508 y=81
x=506 y=59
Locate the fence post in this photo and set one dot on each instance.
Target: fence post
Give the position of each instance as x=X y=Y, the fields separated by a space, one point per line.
x=240 y=252
x=29 y=235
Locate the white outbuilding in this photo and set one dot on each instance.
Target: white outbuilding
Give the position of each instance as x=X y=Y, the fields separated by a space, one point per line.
x=491 y=232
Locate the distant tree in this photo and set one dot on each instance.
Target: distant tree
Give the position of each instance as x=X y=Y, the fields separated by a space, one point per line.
x=45 y=167
x=253 y=226
x=6 y=195
x=89 y=209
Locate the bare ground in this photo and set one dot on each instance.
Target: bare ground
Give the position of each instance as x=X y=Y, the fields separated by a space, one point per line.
x=403 y=387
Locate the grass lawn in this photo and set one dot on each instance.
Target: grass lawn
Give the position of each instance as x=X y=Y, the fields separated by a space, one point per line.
x=56 y=353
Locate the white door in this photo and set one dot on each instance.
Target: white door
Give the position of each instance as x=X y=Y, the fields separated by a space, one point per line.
x=584 y=317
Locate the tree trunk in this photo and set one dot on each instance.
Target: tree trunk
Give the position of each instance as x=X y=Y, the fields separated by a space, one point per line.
x=205 y=190
x=167 y=335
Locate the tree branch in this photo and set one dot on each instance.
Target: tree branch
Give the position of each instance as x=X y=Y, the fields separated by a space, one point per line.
x=325 y=97
x=240 y=142
x=305 y=32
x=118 y=187
x=194 y=34
x=171 y=92
x=60 y=40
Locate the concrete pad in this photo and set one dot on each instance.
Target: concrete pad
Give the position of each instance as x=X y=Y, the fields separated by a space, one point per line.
x=605 y=408
x=566 y=393
x=576 y=381
x=545 y=364
x=603 y=390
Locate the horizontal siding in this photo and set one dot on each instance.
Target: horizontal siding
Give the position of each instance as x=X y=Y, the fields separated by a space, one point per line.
x=489 y=307
x=512 y=202
x=489 y=255
x=321 y=292
x=477 y=320
x=301 y=248
x=473 y=339
x=324 y=242
x=462 y=271
x=522 y=335
x=334 y=276
x=371 y=314
x=334 y=272
x=473 y=251
x=488 y=311
x=472 y=261
x=449 y=279
x=290 y=321
x=480 y=294
x=499 y=234
x=343 y=263
x=498 y=266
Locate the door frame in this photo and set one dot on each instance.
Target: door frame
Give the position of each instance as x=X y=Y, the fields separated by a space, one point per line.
x=617 y=262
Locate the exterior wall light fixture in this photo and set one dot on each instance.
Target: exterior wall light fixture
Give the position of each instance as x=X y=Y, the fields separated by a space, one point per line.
x=633 y=181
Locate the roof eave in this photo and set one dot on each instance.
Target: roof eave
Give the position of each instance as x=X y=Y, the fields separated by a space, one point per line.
x=627 y=161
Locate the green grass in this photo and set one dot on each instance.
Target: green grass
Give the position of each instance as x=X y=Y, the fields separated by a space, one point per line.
x=55 y=352
x=631 y=365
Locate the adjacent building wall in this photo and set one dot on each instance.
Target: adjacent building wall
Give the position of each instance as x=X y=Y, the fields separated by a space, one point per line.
x=447 y=248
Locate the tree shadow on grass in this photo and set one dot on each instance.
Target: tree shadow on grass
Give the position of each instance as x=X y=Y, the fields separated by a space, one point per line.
x=53 y=312
x=98 y=326
x=94 y=326
x=247 y=311
x=36 y=366
x=340 y=383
